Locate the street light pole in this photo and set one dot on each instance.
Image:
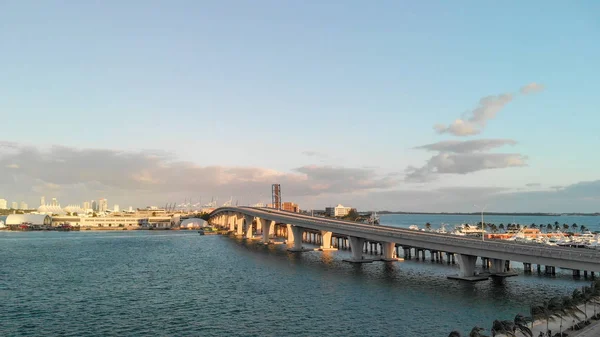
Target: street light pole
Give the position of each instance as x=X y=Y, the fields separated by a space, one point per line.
x=482 y=223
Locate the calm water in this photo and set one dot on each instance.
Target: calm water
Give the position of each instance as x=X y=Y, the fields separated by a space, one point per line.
x=405 y=220
x=144 y=283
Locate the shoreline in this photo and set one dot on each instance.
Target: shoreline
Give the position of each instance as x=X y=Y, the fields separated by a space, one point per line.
x=593 y=329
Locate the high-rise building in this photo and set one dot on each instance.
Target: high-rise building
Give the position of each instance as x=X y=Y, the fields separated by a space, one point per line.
x=102 y=205
x=130 y=209
x=54 y=202
x=14 y=205
x=94 y=206
x=276 y=196
x=24 y=205
x=3 y=204
x=115 y=208
x=42 y=201
x=86 y=205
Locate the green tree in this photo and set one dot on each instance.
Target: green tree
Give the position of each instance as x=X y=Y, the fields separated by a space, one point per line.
x=94 y=215
x=153 y=213
x=501 y=227
x=75 y=214
x=544 y=311
x=428 y=226
x=352 y=215
x=476 y=332
x=565 y=227
x=574 y=226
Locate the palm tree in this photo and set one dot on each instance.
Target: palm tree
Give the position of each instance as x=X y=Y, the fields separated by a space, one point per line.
x=506 y=328
x=556 y=226
x=520 y=322
x=574 y=226
x=501 y=227
x=556 y=223
x=428 y=226
x=544 y=311
x=569 y=307
x=582 y=228
x=533 y=225
x=454 y=334
x=476 y=332
x=565 y=227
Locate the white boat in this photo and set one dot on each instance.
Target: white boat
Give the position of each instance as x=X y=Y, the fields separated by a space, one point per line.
x=373 y=219
x=471 y=230
x=413 y=227
x=442 y=229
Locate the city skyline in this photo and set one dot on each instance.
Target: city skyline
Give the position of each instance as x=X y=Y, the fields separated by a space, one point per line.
x=400 y=107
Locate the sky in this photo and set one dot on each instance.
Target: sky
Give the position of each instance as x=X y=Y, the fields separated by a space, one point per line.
x=387 y=105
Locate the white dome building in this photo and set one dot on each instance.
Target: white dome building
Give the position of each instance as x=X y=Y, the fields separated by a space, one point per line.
x=193 y=223
x=34 y=219
x=50 y=209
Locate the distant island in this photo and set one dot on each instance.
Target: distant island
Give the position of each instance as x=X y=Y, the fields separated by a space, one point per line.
x=492 y=213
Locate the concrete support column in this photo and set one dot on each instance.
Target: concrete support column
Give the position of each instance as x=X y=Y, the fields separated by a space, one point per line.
x=266 y=229
x=248 y=234
x=388 y=251
x=239 y=222
x=297 y=234
x=497 y=266
x=231 y=222
x=290 y=235
x=326 y=240
x=356 y=245
x=467 y=265
x=259 y=225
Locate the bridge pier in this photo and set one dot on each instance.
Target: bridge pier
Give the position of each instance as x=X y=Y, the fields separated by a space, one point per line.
x=239 y=222
x=355 y=246
x=297 y=232
x=267 y=227
x=248 y=234
x=290 y=234
x=388 y=251
x=326 y=241
x=467 y=269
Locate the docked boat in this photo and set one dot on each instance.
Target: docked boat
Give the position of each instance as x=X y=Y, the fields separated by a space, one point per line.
x=468 y=230
x=413 y=227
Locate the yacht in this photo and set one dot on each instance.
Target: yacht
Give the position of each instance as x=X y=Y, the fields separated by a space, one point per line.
x=413 y=227
x=470 y=230
x=373 y=219
x=442 y=229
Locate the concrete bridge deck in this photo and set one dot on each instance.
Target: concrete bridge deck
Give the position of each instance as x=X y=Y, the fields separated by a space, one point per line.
x=468 y=248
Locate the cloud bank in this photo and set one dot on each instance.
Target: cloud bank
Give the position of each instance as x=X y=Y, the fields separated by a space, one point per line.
x=154 y=176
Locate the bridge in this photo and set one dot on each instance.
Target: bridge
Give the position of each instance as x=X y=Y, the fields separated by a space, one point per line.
x=246 y=221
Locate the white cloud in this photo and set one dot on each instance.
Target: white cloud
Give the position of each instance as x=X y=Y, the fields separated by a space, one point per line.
x=476 y=145
x=448 y=163
x=531 y=88
x=487 y=109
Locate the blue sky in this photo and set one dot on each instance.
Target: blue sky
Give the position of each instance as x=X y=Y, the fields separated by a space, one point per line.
x=254 y=84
